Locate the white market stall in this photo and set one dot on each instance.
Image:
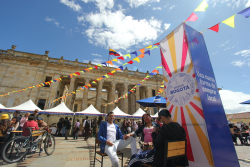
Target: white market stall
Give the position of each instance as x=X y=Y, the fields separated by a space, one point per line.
x=90 y=111
x=139 y=113
x=119 y=113
x=1 y=106
x=155 y=116
x=27 y=106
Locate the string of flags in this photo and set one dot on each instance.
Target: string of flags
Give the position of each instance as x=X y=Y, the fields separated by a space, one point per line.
x=143 y=52
x=150 y=47
x=201 y=8
x=154 y=72
x=159 y=92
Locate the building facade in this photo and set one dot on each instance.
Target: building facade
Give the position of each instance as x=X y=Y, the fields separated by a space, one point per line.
x=19 y=70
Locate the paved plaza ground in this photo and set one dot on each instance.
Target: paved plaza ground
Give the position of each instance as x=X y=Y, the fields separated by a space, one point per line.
x=80 y=153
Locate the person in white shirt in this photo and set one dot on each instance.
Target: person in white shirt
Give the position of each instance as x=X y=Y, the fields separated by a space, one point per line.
x=87 y=127
x=112 y=140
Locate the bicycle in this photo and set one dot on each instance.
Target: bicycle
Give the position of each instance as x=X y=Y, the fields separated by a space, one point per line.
x=18 y=147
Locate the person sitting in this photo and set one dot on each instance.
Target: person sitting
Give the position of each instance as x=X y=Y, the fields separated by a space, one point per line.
x=169 y=131
x=30 y=123
x=112 y=140
x=145 y=130
x=236 y=134
x=14 y=123
x=5 y=127
x=23 y=120
x=41 y=123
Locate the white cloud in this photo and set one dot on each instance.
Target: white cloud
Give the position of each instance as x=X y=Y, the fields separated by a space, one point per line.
x=247 y=4
x=52 y=20
x=156 y=8
x=172 y=7
x=99 y=61
x=118 y=31
x=102 y=4
x=244 y=53
x=96 y=55
x=238 y=63
x=72 y=5
x=232 y=3
x=224 y=44
x=137 y=3
x=166 y=26
x=231 y=100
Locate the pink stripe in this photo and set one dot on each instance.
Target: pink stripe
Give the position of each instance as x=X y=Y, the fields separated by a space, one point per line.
x=184 y=52
x=165 y=65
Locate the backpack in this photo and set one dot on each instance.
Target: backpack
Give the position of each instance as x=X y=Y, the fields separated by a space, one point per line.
x=87 y=123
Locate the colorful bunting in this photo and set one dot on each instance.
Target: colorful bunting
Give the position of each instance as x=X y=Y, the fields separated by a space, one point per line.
x=127 y=55
x=215 y=28
x=115 y=60
x=147 y=52
x=135 y=53
x=130 y=62
x=120 y=58
x=245 y=12
x=137 y=59
x=148 y=47
x=142 y=50
x=109 y=62
x=202 y=7
x=229 y=21
x=192 y=17
x=113 y=52
x=141 y=56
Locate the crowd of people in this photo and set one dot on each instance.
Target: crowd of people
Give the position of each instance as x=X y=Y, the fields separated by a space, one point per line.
x=19 y=123
x=242 y=131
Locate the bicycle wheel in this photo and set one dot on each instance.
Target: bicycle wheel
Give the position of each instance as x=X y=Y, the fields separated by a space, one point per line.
x=49 y=145
x=15 y=149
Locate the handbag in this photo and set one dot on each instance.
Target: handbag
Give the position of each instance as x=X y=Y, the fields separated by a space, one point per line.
x=146 y=146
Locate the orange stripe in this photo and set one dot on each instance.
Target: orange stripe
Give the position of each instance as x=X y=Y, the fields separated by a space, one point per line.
x=175 y=114
x=197 y=98
x=171 y=44
x=190 y=67
x=202 y=137
x=165 y=79
x=168 y=103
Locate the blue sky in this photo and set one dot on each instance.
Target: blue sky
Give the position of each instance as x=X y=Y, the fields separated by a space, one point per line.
x=85 y=29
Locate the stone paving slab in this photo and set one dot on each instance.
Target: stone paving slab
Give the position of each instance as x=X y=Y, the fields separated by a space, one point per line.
x=80 y=153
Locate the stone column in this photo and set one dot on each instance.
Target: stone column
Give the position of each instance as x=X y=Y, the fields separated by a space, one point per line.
x=53 y=92
x=132 y=104
x=137 y=97
x=111 y=96
x=69 y=102
x=85 y=95
x=148 y=92
x=142 y=94
x=124 y=106
x=34 y=92
x=99 y=95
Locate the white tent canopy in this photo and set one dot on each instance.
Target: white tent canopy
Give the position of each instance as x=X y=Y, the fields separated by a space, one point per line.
x=155 y=116
x=61 y=109
x=139 y=113
x=26 y=106
x=91 y=110
x=1 y=106
x=119 y=113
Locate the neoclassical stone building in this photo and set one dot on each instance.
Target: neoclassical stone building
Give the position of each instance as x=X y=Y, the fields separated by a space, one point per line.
x=20 y=70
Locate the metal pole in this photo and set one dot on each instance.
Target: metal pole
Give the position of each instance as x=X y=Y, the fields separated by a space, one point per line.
x=109 y=56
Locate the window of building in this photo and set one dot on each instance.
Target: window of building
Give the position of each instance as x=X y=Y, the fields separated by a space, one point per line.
x=41 y=103
x=48 y=78
x=75 y=107
x=153 y=92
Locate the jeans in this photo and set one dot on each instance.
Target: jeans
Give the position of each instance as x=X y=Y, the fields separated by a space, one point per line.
x=75 y=134
x=239 y=136
x=86 y=133
x=63 y=131
x=67 y=133
x=119 y=145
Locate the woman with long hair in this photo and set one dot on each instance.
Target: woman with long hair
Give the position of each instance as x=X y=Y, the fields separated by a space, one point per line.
x=100 y=120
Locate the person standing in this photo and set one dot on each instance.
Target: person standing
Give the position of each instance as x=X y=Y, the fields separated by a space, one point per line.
x=59 y=126
x=67 y=127
x=64 y=126
x=94 y=126
x=36 y=114
x=76 y=129
x=86 y=127
x=23 y=120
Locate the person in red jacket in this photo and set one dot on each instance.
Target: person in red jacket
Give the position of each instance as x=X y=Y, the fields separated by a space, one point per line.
x=30 y=123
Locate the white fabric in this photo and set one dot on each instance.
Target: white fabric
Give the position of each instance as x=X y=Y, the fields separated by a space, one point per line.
x=53 y=130
x=111 y=132
x=28 y=105
x=118 y=146
x=139 y=113
x=90 y=110
x=1 y=106
x=85 y=123
x=118 y=112
x=155 y=116
x=61 y=108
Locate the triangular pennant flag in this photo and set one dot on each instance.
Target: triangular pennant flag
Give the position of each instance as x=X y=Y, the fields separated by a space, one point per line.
x=115 y=60
x=90 y=68
x=110 y=62
x=159 y=67
x=154 y=47
x=99 y=65
x=110 y=73
x=142 y=50
x=202 y=7
x=148 y=47
x=94 y=82
x=135 y=53
x=118 y=69
x=127 y=55
x=77 y=73
x=147 y=52
x=74 y=74
x=96 y=67
x=215 y=28
x=114 y=71
x=141 y=56
x=120 y=58
x=105 y=64
x=121 y=67
x=70 y=75
x=124 y=64
x=245 y=12
x=229 y=21
x=155 y=71
x=130 y=62
x=152 y=74
x=106 y=75
x=192 y=17
x=157 y=44
x=137 y=59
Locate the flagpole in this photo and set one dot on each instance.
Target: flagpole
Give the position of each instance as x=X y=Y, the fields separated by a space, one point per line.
x=109 y=56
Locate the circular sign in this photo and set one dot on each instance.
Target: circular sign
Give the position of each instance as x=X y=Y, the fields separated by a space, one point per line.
x=180 y=89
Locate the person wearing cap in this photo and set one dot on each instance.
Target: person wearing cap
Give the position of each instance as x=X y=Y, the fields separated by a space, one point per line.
x=41 y=123
x=169 y=131
x=4 y=129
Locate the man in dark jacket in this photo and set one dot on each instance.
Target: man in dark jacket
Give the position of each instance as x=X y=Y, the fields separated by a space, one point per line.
x=67 y=123
x=169 y=131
